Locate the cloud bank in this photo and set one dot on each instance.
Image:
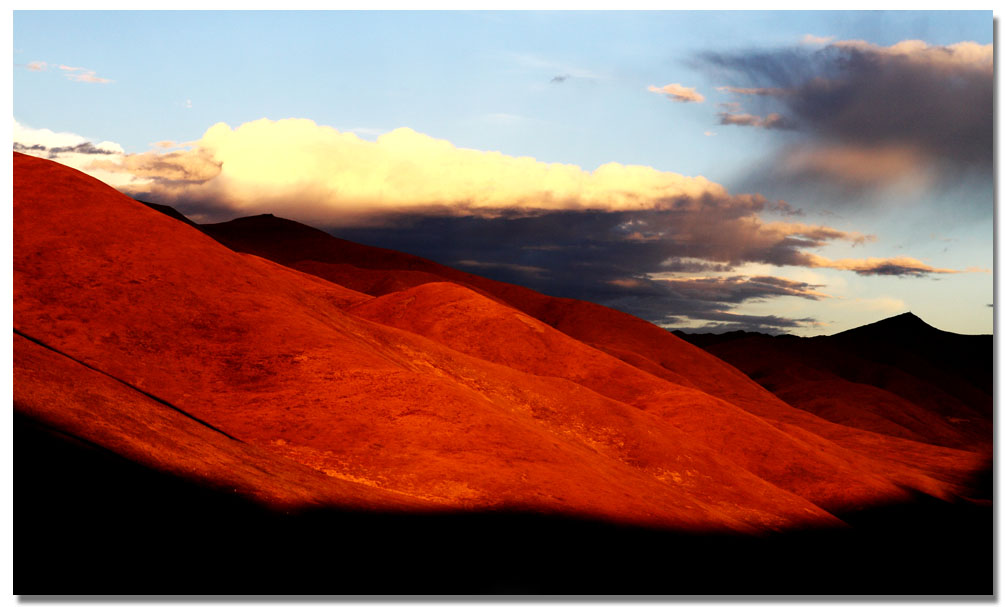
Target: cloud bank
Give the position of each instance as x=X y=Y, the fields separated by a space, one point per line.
x=295 y=165
x=610 y=235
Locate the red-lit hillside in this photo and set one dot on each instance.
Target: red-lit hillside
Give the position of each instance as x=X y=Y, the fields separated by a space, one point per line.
x=640 y=344
x=292 y=409
x=365 y=379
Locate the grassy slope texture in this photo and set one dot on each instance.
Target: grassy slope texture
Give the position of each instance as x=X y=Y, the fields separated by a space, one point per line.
x=259 y=407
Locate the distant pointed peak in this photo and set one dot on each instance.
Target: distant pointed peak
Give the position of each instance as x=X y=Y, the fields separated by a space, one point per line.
x=908 y=317
x=908 y=322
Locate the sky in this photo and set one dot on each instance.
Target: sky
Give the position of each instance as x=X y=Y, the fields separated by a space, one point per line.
x=800 y=172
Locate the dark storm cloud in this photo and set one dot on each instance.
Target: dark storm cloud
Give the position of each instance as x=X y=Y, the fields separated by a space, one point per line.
x=596 y=256
x=871 y=114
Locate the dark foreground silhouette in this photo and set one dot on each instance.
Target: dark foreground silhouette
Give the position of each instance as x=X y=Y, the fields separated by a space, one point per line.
x=91 y=522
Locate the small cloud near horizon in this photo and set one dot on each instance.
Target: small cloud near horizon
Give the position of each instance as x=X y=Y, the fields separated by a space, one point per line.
x=678 y=92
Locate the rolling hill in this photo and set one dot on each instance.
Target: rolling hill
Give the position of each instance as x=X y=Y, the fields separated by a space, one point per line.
x=261 y=366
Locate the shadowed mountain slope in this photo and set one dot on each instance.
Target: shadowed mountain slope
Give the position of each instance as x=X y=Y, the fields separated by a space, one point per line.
x=899 y=376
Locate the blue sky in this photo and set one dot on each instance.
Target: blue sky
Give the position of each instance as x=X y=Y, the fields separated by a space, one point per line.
x=559 y=87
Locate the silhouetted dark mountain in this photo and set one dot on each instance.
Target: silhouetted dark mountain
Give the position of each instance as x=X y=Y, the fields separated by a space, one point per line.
x=926 y=352
x=899 y=376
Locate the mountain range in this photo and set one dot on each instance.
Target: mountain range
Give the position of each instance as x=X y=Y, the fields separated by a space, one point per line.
x=258 y=405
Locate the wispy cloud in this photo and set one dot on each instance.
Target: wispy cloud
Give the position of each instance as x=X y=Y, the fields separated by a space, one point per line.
x=771 y=121
x=811 y=39
x=761 y=91
x=736 y=289
x=471 y=263
x=77 y=74
x=896 y=266
x=82 y=74
x=165 y=145
x=723 y=321
x=678 y=92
